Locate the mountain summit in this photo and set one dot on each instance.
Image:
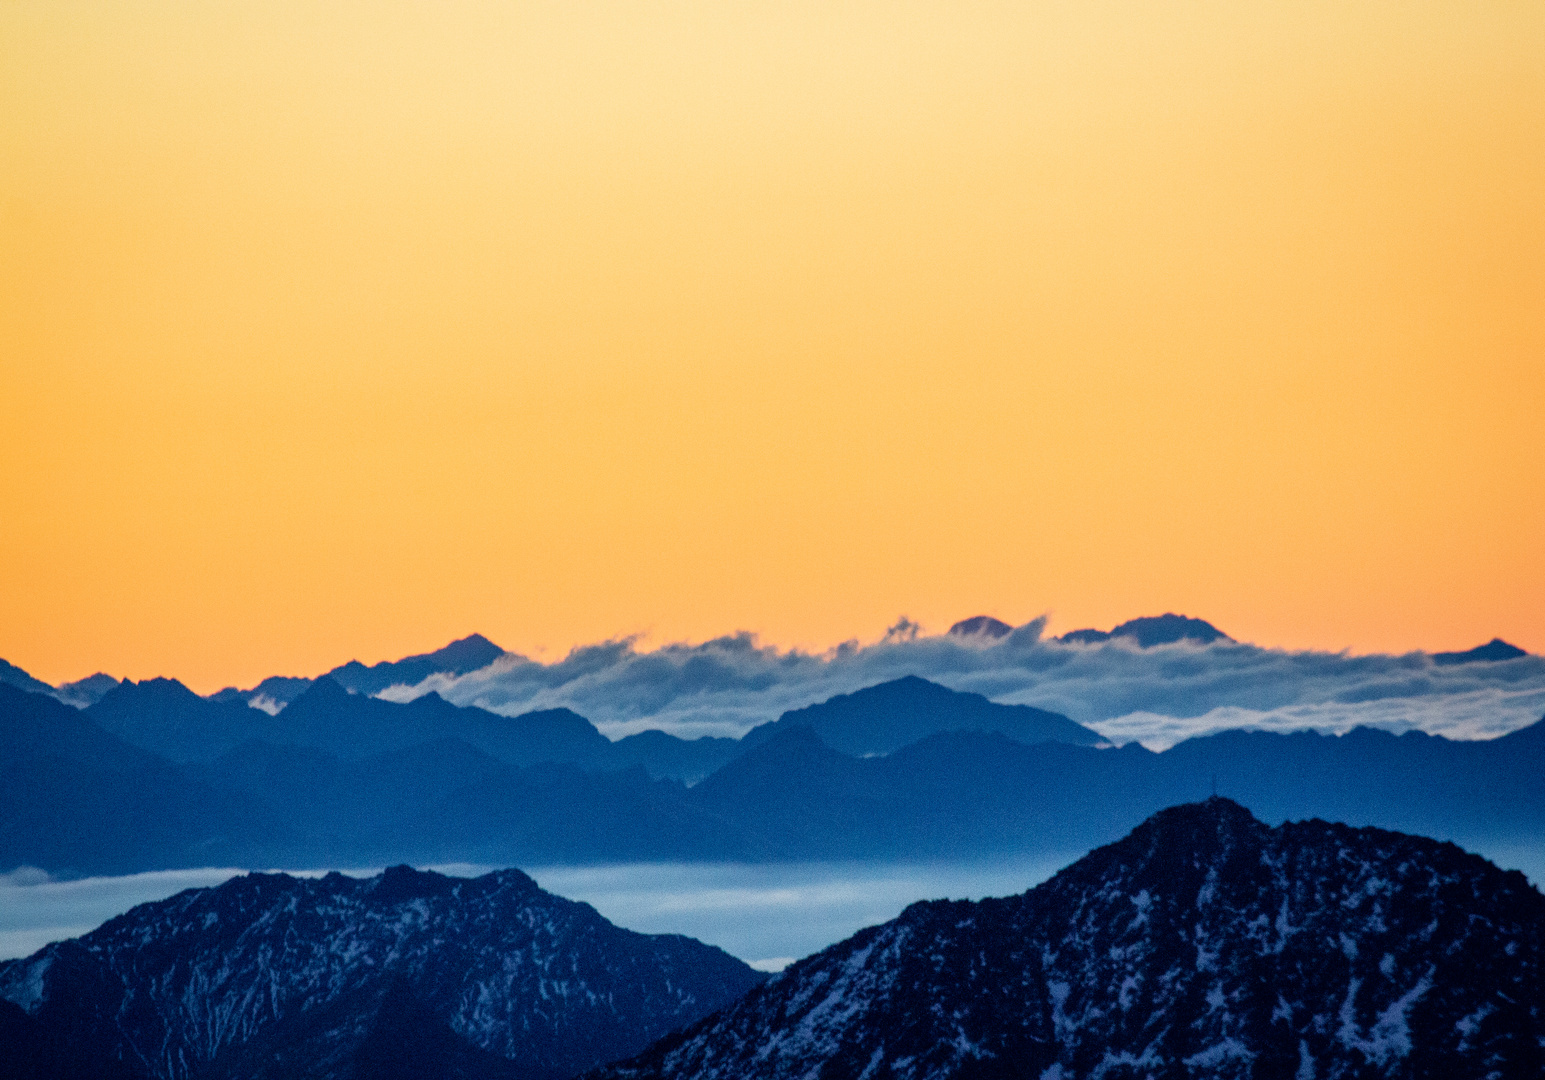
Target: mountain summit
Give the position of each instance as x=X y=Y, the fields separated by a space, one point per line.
x=274 y=976
x=887 y=716
x=1151 y=630
x=1494 y=650
x=1204 y=944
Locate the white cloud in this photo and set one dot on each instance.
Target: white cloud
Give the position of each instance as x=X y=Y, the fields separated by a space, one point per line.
x=1157 y=695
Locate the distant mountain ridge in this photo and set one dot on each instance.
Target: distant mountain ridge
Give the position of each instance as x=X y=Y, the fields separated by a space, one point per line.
x=883 y=718
x=460 y=657
x=1493 y=651
x=11 y=675
x=79 y=800
x=1152 y=630
x=165 y=717
x=269 y=975
x=1203 y=944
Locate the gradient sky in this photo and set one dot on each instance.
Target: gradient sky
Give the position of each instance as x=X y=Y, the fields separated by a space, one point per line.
x=340 y=330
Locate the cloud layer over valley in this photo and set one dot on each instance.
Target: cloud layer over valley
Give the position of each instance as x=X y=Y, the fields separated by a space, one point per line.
x=1157 y=695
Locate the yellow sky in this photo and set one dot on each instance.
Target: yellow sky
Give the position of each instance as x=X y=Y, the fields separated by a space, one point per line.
x=340 y=330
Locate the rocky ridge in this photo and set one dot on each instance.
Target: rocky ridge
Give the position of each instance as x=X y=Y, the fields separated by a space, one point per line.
x=271 y=975
x=1204 y=944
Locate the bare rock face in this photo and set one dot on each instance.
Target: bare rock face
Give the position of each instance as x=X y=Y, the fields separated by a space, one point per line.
x=407 y=973
x=1204 y=944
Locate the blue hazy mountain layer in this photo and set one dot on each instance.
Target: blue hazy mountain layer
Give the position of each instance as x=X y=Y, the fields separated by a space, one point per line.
x=166 y=717
x=884 y=718
x=11 y=675
x=87 y=691
x=80 y=800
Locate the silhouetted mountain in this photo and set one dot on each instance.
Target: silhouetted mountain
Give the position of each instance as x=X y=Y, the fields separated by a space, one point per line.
x=75 y=799
x=1494 y=650
x=1151 y=630
x=886 y=717
x=164 y=716
x=1204 y=944
x=270 y=695
x=984 y=625
x=11 y=675
x=664 y=755
x=87 y=691
x=403 y=974
x=351 y=724
x=447 y=801
x=958 y=792
x=80 y=800
x=458 y=658
x=39 y=725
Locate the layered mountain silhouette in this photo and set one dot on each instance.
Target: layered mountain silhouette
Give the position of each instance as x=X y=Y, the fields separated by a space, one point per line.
x=77 y=800
x=460 y=657
x=1151 y=630
x=435 y=783
x=1203 y=944
x=87 y=691
x=11 y=675
x=166 y=717
x=405 y=974
x=883 y=718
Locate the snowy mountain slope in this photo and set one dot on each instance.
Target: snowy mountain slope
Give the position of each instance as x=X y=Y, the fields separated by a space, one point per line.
x=278 y=976
x=1204 y=944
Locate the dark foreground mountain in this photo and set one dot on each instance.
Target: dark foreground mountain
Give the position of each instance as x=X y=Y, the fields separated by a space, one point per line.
x=1204 y=944
x=404 y=974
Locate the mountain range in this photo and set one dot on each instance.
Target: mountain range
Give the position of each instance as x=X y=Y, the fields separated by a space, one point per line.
x=1203 y=944
x=475 y=653
x=340 y=779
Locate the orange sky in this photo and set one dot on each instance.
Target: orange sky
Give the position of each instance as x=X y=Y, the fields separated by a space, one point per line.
x=343 y=332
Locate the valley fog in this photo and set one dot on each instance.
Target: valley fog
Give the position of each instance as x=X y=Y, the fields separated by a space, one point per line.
x=767 y=915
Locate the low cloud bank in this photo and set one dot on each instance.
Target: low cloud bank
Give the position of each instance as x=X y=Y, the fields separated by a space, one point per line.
x=1157 y=696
